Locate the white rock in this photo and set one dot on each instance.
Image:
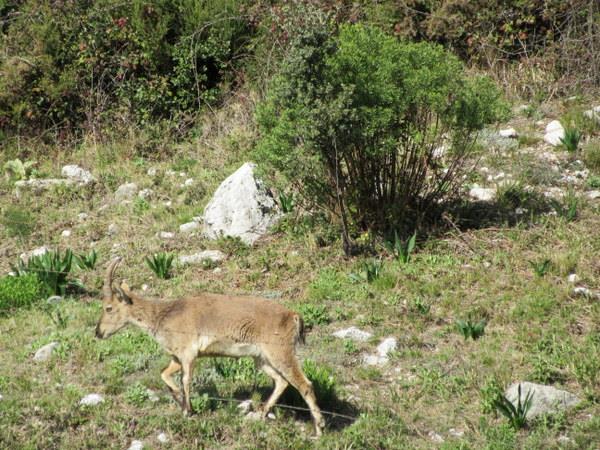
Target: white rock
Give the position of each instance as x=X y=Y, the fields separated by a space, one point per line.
x=162 y=438
x=37 y=186
x=168 y=203
x=145 y=287
x=456 y=433
x=482 y=194
x=241 y=207
x=197 y=258
x=520 y=211
x=375 y=360
x=554 y=133
x=54 y=299
x=387 y=346
x=126 y=192
x=353 y=333
x=91 y=400
x=253 y=415
x=435 y=437
x=439 y=152
x=166 y=235
x=44 y=353
x=554 y=192
x=77 y=174
x=170 y=173
x=82 y=216
x=508 y=133
x=573 y=278
x=217 y=270
x=545 y=399
x=182 y=174
x=1 y=397
x=65 y=233
x=189 y=182
x=145 y=193
x=593 y=113
x=583 y=292
x=563 y=439
x=189 y=227
x=136 y=445
x=113 y=229
x=152 y=171
x=35 y=252
x=152 y=396
x=245 y=406
x=592 y=195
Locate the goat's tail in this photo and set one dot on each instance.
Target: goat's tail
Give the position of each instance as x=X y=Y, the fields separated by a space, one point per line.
x=300 y=330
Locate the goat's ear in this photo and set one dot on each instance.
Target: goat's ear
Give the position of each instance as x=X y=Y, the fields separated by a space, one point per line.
x=123 y=297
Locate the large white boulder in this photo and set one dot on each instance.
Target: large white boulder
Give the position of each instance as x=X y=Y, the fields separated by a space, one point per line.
x=77 y=174
x=544 y=400
x=554 y=133
x=241 y=207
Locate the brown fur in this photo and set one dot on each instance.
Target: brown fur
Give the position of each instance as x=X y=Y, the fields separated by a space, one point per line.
x=214 y=325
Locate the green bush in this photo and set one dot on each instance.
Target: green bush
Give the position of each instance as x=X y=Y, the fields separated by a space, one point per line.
x=19 y=292
x=353 y=121
x=51 y=268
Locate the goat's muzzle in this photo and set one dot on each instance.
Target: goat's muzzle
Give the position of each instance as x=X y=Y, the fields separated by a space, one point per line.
x=99 y=333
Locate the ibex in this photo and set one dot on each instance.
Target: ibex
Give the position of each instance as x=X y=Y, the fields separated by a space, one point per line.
x=213 y=325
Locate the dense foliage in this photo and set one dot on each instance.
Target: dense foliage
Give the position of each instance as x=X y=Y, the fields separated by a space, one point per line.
x=356 y=121
x=18 y=292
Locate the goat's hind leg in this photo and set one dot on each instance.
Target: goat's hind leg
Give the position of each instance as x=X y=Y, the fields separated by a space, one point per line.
x=167 y=376
x=280 y=385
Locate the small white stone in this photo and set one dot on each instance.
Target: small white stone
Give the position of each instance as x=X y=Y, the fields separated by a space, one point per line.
x=375 y=360
x=44 y=353
x=217 y=270
x=168 y=203
x=55 y=299
x=82 y=216
x=487 y=264
x=563 y=439
x=253 y=415
x=65 y=233
x=353 y=333
x=189 y=182
x=136 y=445
x=145 y=193
x=508 y=133
x=197 y=258
x=91 y=400
x=182 y=174
x=592 y=195
x=520 y=211
x=456 y=433
x=152 y=396
x=1 y=397
x=439 y=152
x=170 y=173
x=189 y=227
x=166 y=235
x=482 y=194
x=113 y=229
x=77 y=174
x=435 y=437
x=35 y=252
x=245 y=406
x=152 y=171
x=500 y=176
x=582 y=291
x=162 y=438
x=387 y=346
x=573 y=278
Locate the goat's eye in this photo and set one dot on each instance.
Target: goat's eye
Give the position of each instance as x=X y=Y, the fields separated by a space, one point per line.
x=108 y=309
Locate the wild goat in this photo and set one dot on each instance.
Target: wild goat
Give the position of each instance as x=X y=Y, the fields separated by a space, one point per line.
x=214 y=325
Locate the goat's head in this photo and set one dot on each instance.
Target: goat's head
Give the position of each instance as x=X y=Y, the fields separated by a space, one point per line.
x=115 y=305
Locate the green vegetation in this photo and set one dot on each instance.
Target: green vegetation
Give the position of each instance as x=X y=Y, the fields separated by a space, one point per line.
x=19 y=292
x=471 y=329
x=86 y=261
x=571 y=139
x=160 y=264
x=363 y=152
x=516 y=415
x=52 y=269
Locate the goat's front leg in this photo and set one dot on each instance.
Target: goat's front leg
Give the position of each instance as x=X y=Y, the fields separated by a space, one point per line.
x=167 y=377
x=186 y=379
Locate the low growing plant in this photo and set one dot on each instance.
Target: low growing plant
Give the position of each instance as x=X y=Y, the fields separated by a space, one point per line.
x=18 y=221
x=471 y=329
x=286 y=202
x=516 y=415
x=540 y=268
x=86 y=261
x=571 y=139
x=18 y=170
x=160 y=264
x=19 y=292
x=53 y=270
x=313 y=314
x=402 y=249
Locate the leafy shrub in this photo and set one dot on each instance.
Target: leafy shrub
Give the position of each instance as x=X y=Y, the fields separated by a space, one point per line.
x=19 y=292
x=18 y=170
x=86 y=261
x=52 y=269
x=286 y=202
x=137 y=394
x=471 y=329
x=516 y=415
x=571 y=139
x=314 y=314
x=540 y=268
x=352 y=123
x=161 y=264
x=401 y=249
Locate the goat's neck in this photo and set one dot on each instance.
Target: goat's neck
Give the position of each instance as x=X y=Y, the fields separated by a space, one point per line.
x=145 y=314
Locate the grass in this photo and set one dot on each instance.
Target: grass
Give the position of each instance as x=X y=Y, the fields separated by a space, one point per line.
x=536 y=330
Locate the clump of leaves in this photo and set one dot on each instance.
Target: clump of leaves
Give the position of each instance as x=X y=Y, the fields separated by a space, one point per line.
x=471 y=329
x=17 y=169
x=571 y=139
x=52 y=268
x=401 y=249
x=540 y=268
x=421 y=306
x=516 y=415
x=313 y=314
x=372 y=269
x=568 y=207
x=137 y=394
x=19 y=292
x=287 y=202
x=86 y=261
x=160 y=264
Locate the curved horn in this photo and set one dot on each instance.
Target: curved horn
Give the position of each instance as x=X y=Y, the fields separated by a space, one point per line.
x=110 y=271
